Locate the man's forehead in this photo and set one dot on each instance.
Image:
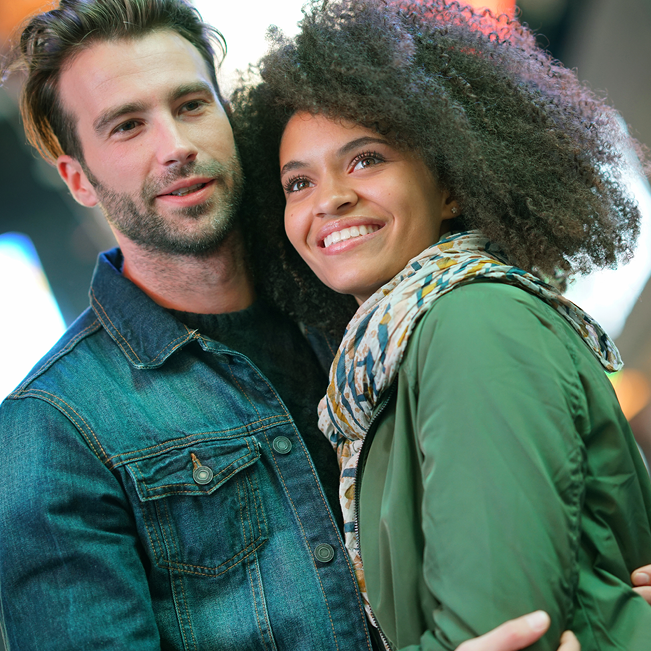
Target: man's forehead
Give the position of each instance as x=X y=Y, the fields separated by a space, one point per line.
x=128 y=70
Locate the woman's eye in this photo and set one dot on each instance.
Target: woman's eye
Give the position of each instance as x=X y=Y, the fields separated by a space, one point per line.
x=367 y=160
x=296 y=185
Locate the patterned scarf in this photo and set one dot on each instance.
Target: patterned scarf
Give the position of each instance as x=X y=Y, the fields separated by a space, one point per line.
x=376 y=338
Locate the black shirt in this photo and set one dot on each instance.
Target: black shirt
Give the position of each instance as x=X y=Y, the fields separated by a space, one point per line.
x=277 y=347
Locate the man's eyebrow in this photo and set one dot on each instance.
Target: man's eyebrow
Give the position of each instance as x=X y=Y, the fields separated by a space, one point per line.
x=346 y=149
x=189 y=89
x=112 y=114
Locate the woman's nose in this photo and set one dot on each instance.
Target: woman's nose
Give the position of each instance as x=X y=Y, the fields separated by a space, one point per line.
x=333 y=196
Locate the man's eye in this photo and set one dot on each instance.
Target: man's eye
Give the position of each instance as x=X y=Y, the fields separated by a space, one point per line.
x=126 y=126
x=296 y=185
x=193 y=105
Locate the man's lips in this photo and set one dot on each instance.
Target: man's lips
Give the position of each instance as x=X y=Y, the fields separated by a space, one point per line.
x=189 y=192
x=185 y=186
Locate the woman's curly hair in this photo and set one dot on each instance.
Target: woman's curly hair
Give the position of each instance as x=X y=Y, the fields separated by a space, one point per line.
x=535 y=160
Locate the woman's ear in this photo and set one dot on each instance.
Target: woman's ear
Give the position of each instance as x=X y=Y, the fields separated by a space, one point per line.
x=451 y=208
x=72 y=173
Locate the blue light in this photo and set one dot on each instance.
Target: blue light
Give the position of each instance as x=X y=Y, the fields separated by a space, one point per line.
x=31 y=321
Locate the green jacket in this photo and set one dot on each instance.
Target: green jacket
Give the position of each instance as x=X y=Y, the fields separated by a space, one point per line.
x=503 y=477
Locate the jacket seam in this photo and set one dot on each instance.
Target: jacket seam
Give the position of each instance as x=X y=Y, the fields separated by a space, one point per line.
x=307 y=544
x=180 y=579
x=242 y=391
x=108 y=318
x=167 y=350
x=184 y=442
x=179 y=566
x=197 y=491
x=263 y=604
x=249 y=571
x=53 y=400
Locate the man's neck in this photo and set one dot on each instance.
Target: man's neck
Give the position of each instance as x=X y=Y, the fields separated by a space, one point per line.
x=212 y=284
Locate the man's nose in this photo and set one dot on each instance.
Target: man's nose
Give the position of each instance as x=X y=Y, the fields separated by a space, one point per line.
x=173 y=144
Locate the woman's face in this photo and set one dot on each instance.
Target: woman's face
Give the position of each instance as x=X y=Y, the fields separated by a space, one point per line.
x=357 y=208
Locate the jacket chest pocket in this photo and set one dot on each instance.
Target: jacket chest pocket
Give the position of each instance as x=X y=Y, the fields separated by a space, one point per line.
x=201 y=506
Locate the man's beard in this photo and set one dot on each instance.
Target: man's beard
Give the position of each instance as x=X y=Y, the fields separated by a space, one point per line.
x=139 y=221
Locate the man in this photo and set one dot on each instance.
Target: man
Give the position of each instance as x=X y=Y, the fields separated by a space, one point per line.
x=165 y=485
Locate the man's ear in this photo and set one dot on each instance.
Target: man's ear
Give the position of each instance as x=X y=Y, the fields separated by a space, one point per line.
x=75 y=178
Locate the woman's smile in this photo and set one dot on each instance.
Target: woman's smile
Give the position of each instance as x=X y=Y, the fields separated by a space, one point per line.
x=358 y=209
x=342 y=234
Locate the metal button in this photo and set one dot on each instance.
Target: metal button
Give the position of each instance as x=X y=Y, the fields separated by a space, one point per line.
x=281 y=444
x=324 y=553
x=202 y=475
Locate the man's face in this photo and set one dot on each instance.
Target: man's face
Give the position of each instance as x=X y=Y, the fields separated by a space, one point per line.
x=159 y=155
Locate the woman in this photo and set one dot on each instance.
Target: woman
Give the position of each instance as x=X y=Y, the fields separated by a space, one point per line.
x=436 y=166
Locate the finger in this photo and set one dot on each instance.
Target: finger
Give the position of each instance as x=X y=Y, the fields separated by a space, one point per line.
x=642 y=576
x=513 y=635
x=569 y=642
x=644 y=592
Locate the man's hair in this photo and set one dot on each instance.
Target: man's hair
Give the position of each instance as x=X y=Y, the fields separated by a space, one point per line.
x=535 y=160
x=50 y=40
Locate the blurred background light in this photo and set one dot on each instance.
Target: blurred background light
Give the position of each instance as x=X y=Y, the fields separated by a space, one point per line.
x=31 y=321
x=246 y=34
x=633 y=391
x=246 y=39
x=609 y=295
x=496 y=6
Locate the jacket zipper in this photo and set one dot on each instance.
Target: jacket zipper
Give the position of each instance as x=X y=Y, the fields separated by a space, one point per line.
x=358 y=481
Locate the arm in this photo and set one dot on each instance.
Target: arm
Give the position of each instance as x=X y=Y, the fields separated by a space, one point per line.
x=501 y=467
x=71 y=573
x=521 y=632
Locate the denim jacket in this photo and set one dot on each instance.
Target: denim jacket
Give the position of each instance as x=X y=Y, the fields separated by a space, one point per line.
x=156 y=495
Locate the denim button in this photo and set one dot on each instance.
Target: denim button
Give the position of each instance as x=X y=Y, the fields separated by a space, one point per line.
x=282 y=444
x=324 y=553
x=202 y=475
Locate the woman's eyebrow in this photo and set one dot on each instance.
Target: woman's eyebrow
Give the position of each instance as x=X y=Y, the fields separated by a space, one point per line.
x=345 y=149
x=292 y=165
x=360 y=142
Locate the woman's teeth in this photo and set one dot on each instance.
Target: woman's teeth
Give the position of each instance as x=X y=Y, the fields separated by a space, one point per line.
x=183 y=191
x=347 y=233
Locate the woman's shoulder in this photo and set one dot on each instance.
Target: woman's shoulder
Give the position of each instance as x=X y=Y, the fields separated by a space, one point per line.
x=488 y=299
x=488 y=321
x=487 y=308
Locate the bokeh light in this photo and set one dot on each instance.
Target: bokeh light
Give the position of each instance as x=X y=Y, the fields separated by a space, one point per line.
x=31 y=321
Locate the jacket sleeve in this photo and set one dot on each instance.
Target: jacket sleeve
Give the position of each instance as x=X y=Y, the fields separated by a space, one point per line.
x=502 y=464
x=71 y=569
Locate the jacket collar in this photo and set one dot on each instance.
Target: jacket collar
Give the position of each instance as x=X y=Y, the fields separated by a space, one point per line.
x=146 y=333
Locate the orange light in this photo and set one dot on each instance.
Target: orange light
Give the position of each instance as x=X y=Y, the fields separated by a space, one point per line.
x=496 y=6
x=633 y=391
x=13 y=12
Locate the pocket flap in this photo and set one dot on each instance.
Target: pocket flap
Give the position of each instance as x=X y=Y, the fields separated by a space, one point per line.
x=171 y=472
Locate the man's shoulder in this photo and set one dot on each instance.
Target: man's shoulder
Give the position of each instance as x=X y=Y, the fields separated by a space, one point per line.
x=85 y=326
